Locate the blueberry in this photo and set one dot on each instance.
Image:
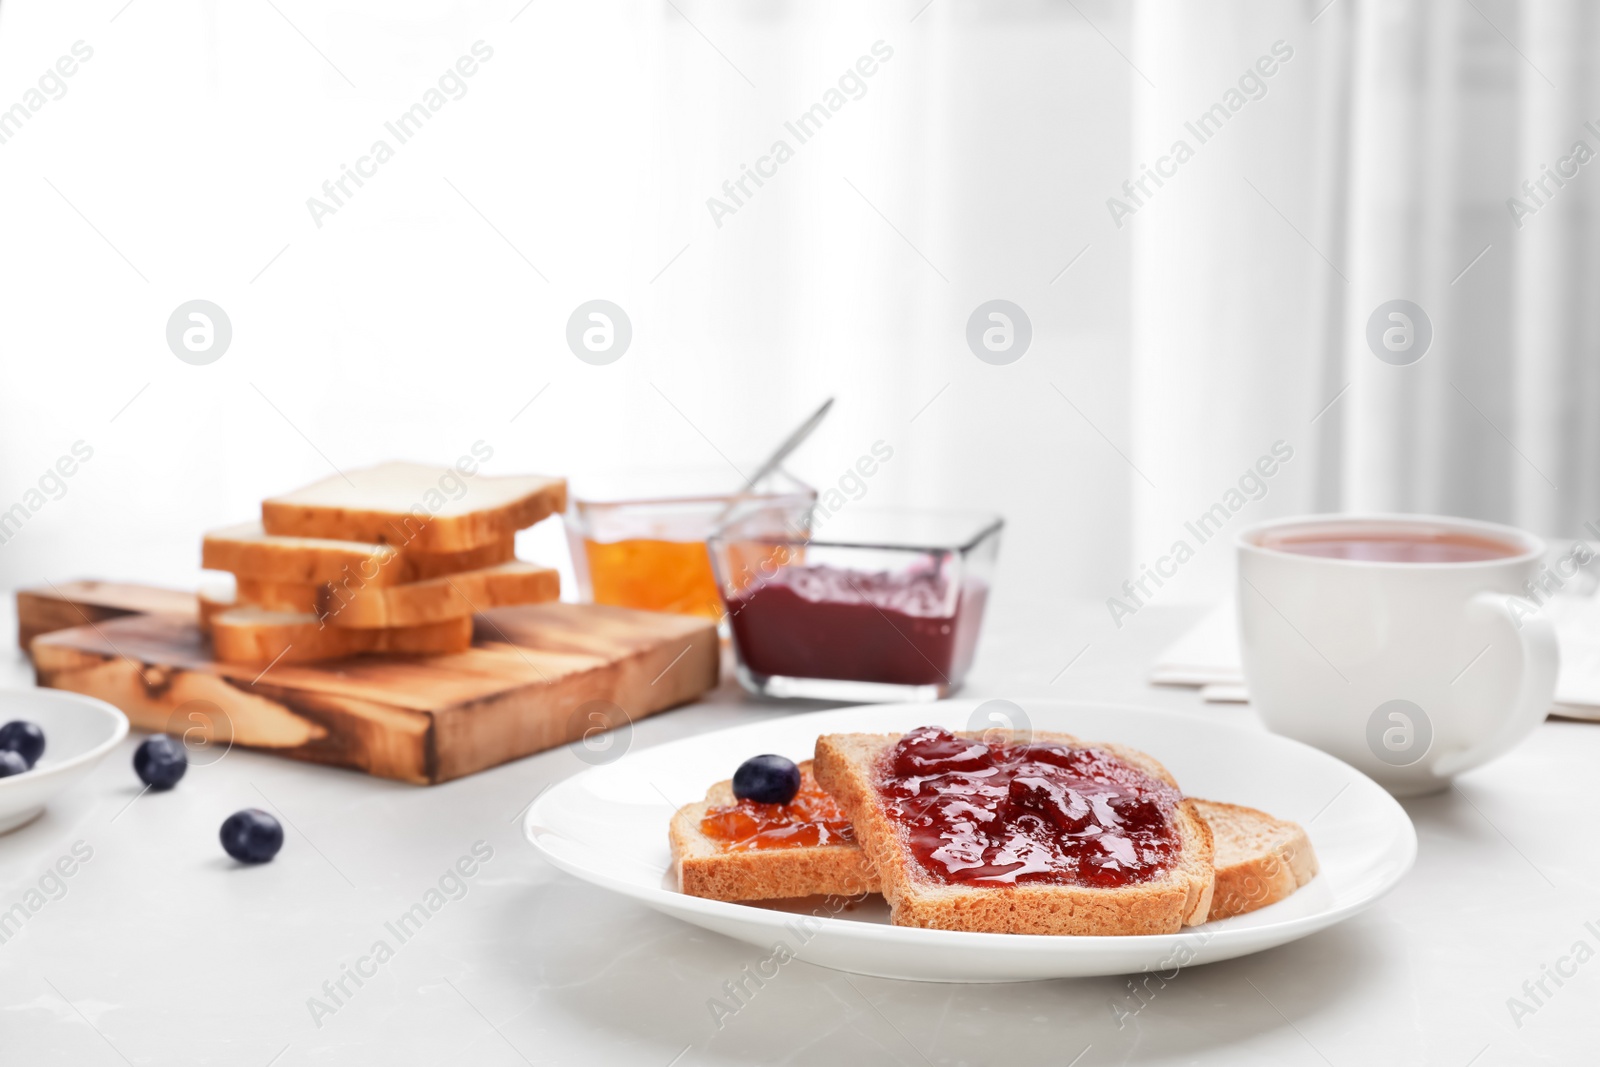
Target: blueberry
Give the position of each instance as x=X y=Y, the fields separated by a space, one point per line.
x=766 y=780
x=11 y=763
x=252 y=836
x=24 y=738
x=160 y=761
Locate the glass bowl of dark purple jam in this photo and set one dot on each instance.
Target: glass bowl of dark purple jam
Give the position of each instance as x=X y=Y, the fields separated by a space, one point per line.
x=866 y=605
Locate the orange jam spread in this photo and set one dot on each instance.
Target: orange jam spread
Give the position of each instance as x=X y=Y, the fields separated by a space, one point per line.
x=654 y=575
x=811 y=818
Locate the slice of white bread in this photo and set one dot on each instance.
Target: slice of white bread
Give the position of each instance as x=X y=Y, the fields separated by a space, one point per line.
x=422 y=508
x=1260 y=860
x=254 y=636
x=218 y=593
x=705 y=867
x=351 y=604
x=248 y=551
x=848 y=766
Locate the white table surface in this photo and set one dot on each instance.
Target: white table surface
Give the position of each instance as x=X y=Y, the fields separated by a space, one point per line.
x=164 y=951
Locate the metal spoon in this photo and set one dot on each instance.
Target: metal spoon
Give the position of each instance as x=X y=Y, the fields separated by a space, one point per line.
x=783 y=451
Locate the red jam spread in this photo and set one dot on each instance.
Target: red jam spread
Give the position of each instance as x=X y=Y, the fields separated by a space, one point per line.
x=811 y=818
x=1050 y=814
x=910 y=627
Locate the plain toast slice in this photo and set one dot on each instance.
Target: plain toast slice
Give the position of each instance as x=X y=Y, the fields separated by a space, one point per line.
x=247 y=550
x=1259 y=859
x=218 y=592
x=705 y=867
x=422 y=508
x=849 y=766
x=251 y=636
x=412 y=604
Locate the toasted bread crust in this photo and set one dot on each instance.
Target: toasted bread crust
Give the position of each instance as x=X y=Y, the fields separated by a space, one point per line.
x=704 y=869
x=1260 y=860
x=252 y=637
x=390 y=504
x=846 y=765
x=208 y=608
x=248 y=551
x=413 y=604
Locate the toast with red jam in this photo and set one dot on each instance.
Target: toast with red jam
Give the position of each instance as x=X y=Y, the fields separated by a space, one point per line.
x=1026 y=834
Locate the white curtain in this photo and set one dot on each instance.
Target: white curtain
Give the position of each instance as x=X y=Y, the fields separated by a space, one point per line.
x=1226 y=314
x=430 y=311
x=1377 y=166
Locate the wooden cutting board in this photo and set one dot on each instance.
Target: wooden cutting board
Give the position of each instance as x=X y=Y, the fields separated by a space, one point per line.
x=536 y=677
x=62 y=604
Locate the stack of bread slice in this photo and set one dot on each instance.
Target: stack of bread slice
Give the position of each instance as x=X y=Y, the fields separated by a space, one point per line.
x=394 y=558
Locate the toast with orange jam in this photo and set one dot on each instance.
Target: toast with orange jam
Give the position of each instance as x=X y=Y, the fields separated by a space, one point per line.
x=731 y=849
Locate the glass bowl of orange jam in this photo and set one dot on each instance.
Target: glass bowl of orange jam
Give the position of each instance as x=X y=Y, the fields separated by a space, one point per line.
x=639 y=540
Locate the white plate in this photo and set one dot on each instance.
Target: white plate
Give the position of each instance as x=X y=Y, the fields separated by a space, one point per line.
x=608 y=825
x=78 y=732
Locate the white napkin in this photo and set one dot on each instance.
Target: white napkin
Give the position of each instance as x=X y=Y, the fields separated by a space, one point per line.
x=1206 y=655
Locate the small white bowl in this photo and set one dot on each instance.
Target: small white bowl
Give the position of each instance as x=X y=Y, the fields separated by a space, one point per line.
x=78 y=732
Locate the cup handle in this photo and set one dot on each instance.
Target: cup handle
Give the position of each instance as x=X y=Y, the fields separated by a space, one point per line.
x=1541 y=660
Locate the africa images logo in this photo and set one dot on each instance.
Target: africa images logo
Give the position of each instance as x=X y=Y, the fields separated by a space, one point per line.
x=999 y=332
x=1399 y=332
x=599 y=332
x=199 y=332
x=1399 y=733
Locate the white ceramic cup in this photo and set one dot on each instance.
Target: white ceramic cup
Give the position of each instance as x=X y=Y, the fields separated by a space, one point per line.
x=1410 y=672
